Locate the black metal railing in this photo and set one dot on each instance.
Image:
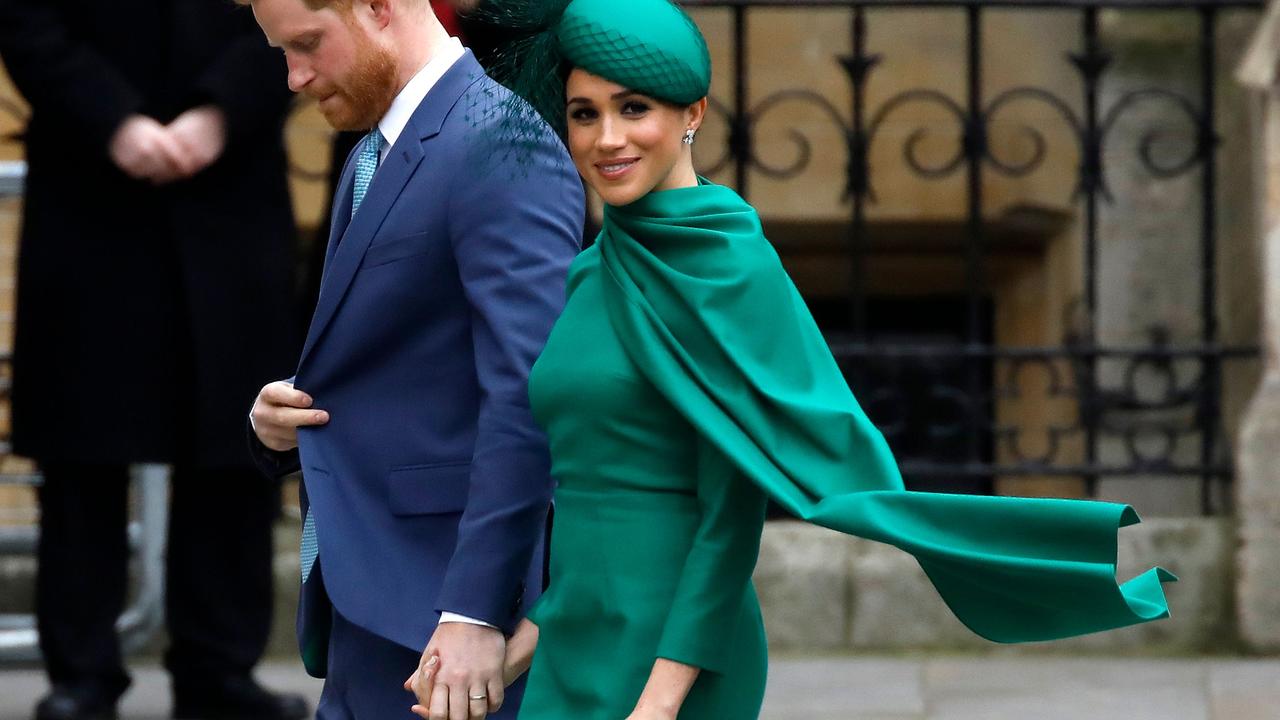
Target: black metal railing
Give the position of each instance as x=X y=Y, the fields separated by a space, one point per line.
x=963 y=437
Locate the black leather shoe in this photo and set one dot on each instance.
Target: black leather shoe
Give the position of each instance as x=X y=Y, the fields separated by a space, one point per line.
x=239 y=698
x=64 y=704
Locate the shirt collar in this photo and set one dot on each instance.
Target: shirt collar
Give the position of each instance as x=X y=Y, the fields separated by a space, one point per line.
x=407 y=102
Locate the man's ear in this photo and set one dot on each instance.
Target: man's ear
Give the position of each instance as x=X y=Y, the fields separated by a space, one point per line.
x=380 y=11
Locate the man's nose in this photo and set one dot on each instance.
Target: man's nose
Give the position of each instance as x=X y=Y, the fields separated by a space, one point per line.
x=300 y=73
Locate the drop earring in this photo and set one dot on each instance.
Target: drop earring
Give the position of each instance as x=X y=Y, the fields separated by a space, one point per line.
x=688 y=136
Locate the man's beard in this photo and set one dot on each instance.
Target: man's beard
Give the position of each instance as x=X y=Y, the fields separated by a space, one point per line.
x=368 y=91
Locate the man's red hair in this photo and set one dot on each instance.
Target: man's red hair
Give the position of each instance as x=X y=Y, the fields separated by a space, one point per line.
x=444 y=10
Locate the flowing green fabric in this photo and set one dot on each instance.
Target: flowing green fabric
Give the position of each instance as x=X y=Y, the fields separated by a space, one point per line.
x=702 y=306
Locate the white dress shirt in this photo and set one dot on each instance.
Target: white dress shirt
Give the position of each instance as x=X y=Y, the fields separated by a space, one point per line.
x=415 y=91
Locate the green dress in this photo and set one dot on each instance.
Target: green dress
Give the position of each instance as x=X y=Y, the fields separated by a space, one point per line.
x=684 y=384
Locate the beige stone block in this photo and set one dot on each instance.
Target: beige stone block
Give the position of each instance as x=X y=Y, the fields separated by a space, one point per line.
x=803 y=582
x=1244 y=690
x=308 y=140
x=895 y=607
x=1258 y=498
x=11 y=123
x=804 y=130
x=17 y=504
x=14 y=465
x=1258 y=577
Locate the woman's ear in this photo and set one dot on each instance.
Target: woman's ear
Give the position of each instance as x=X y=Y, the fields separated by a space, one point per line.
x=697 y=112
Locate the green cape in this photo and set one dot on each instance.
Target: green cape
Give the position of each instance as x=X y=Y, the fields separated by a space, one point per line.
x=702 y=305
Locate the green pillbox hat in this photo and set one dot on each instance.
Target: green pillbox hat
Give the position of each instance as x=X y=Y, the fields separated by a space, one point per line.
x=650 y=46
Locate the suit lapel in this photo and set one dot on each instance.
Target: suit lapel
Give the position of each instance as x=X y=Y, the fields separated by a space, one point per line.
x=341 y=219
x=345 y=259
x=388 y=183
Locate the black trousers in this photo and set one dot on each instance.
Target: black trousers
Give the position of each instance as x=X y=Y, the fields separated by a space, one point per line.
x=218 y=593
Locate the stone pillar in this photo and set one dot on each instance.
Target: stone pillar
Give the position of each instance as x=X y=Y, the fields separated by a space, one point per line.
x=1258 y=451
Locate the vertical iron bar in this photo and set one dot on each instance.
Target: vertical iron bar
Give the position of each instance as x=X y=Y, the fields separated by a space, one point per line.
x=741 y=140
x=975 y=149
x=1210 y=400
x=1092 y=63
x=859 y=177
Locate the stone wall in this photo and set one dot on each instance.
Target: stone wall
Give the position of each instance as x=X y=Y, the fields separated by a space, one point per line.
x=1150 y=259
x=826 y=592
x=1258 y=484
x=822 y=590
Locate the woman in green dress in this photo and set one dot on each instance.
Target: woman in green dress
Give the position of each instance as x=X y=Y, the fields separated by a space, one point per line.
x=686 y=384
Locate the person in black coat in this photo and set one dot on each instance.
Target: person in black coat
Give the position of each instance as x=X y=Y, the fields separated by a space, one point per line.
x=154 y=278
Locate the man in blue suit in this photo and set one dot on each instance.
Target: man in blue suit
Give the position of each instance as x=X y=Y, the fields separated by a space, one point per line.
x=427 y=483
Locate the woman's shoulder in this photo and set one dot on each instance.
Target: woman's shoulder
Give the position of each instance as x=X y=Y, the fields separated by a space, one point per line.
x=758 y=255
x=736 y=225
x=585 y=265
x=745 y=253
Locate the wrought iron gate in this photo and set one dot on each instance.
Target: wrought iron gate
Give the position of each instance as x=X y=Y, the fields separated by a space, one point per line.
x=967 y=376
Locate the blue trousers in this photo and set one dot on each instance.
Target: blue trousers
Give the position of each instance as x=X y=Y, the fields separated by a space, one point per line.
x=366 y=678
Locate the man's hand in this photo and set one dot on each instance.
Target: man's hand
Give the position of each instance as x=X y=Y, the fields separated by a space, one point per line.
x=201 y=135
x=278 y=413
x=145 y=150
x=461 y=673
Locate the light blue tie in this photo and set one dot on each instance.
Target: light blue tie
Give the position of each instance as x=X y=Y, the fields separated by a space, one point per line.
x=310 y=548
x=366 y=166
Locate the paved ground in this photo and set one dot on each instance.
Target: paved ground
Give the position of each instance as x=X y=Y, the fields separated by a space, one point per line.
x=937 y=688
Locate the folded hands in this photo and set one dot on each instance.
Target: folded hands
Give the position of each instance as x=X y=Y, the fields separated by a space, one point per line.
x=145 y=149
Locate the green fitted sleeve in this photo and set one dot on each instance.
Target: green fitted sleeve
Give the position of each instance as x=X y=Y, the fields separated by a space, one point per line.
x=716 y=580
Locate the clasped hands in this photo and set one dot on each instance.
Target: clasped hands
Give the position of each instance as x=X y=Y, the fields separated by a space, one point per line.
x=463 y=674
x=144 y=149
x=463 y=662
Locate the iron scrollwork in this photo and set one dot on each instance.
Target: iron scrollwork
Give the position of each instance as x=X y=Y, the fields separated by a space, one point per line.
x=1137 y=399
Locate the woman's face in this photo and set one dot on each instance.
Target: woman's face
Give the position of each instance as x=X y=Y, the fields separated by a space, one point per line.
x=626 y=144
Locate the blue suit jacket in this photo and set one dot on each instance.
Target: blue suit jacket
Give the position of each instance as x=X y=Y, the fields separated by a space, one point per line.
x=430 y=484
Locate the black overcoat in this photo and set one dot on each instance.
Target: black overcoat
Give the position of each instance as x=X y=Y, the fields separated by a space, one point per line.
x=147 y=317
